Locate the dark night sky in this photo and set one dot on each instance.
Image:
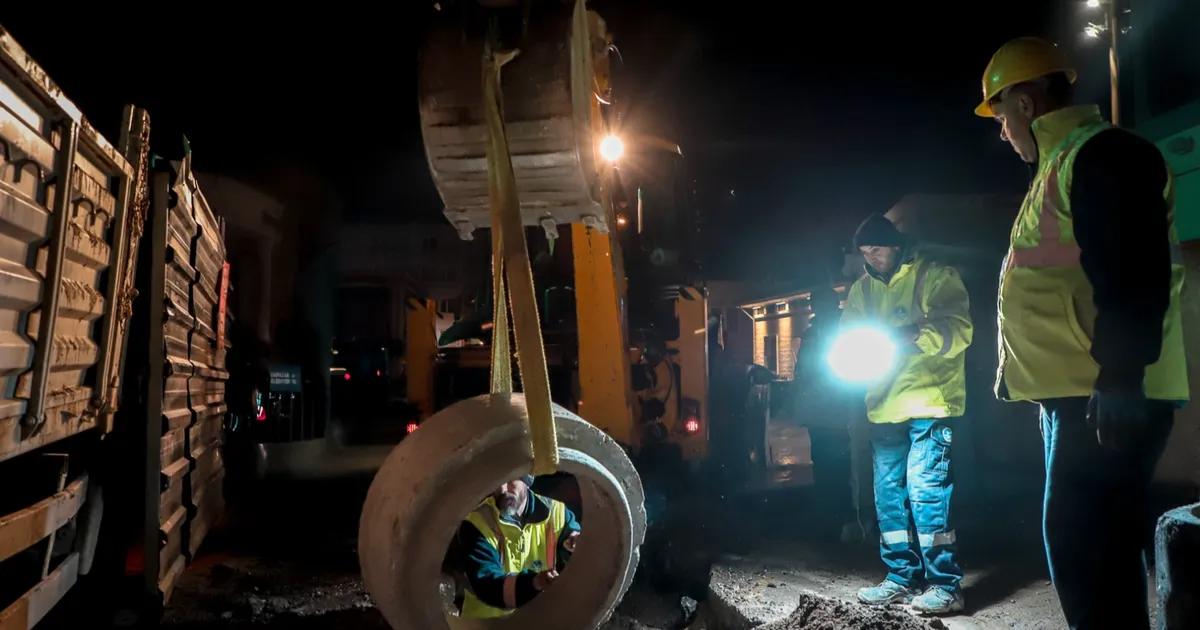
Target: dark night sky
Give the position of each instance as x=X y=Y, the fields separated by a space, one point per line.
x=816 y=117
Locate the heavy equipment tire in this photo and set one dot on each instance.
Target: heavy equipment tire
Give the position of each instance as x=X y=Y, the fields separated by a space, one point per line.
x=88 y=534
x=441 y=472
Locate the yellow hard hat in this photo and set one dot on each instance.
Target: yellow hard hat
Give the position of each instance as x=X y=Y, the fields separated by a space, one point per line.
x=1020 y=60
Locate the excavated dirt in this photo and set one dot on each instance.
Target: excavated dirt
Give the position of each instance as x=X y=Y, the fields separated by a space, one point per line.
x=820 y=613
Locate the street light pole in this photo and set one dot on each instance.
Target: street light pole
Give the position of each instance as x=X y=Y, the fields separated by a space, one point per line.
x=1113 y=63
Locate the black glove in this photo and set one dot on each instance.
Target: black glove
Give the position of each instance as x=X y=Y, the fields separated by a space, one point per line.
x=1117 y=415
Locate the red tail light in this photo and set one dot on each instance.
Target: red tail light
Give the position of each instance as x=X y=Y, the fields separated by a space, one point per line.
x=412 y=426
x=691 y=415
x=346 y=377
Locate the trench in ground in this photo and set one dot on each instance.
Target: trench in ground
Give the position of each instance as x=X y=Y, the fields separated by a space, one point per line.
x=287 y=559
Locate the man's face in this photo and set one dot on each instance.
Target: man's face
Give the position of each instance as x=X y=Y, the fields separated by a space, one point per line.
x=1015 y=112
x=510 y=498
x=881 y=259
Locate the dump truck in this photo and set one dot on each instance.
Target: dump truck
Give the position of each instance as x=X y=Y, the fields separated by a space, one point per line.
x=115 y=284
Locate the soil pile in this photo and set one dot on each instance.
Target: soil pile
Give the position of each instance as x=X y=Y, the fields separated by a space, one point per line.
x=819 y=613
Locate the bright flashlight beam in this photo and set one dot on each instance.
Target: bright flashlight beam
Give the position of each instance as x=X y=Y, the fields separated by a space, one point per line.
x=611 y=148
x=1093 y=4
x=862 y=355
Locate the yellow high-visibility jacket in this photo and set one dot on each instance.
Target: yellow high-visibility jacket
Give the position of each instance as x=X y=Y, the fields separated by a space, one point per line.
x=932 y=382
x=532 y=547
x=1046 y=311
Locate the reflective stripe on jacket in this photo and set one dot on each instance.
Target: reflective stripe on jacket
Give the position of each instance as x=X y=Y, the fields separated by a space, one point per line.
x=529 y=548
x=929 y=383
x=1046 y=312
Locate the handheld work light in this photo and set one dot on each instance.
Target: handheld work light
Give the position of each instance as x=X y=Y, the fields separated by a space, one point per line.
x=862 y=355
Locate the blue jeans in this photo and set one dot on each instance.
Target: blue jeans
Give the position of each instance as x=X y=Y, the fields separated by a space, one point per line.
x=913 y=486
x=1096 y=517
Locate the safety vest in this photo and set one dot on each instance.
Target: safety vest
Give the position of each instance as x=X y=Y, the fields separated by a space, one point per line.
x=533 y=547
x=1046 y=314
x=924 y=384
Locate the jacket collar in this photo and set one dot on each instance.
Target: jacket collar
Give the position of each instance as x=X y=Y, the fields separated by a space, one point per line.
x=1050 y=130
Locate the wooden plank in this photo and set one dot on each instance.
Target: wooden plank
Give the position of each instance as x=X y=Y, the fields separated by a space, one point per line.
x=21 y=530
x=27 y=611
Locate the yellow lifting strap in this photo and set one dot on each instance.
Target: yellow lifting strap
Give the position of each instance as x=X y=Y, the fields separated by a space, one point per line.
x=510 y=258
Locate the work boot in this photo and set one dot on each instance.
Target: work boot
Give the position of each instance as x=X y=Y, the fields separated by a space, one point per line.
x=938 y=601
x=888 y=592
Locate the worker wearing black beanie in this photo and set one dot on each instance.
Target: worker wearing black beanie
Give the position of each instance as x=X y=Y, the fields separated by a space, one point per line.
x=883 y=247
x=878 y=231
x=912 y=405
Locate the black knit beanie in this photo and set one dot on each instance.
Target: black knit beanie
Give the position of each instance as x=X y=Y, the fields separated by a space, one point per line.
x=878 y=231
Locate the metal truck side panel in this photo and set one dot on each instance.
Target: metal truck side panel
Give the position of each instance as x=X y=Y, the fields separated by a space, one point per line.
x=168 y=417
x=55 y=248
x=206 y=389
x=186 y=413
x=64 y=232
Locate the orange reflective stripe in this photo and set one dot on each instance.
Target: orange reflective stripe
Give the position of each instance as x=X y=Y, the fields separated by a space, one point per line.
x=1050 y=250
x=510 y=591
x=551 y=544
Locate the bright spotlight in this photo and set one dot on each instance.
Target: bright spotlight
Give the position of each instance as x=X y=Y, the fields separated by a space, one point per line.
x=1093 y=4
x=611 y=148
x=862 y=355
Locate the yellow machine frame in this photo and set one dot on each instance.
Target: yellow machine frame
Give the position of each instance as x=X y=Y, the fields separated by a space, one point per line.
x=420 y=352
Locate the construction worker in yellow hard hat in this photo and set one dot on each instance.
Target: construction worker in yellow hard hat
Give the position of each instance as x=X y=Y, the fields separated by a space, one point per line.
x=1090 y=325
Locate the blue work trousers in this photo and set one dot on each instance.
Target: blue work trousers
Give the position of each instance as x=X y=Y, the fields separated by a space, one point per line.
x=1096 y=519
x=913 y=486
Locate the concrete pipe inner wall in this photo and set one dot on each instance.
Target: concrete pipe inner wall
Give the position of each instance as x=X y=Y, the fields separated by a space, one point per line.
x=440 y=473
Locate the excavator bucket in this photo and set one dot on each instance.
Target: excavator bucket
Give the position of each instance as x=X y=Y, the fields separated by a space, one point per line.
x=554 y=91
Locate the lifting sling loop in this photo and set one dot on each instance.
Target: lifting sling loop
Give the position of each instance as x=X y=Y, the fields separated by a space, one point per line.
x=512 y=279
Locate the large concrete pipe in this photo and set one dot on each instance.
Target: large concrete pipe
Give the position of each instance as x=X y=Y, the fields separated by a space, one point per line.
x=1177 y=553
x=437 y=475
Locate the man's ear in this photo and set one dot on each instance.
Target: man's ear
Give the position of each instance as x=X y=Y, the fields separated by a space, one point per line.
x=1026 y=105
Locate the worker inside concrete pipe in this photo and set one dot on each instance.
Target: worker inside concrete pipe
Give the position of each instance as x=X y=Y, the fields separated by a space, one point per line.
x=511 y=548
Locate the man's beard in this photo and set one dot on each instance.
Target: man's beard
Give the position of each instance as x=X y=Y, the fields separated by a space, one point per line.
x=508 y=504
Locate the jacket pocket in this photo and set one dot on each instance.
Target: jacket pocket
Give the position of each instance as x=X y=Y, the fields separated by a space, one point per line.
x=1072 y=319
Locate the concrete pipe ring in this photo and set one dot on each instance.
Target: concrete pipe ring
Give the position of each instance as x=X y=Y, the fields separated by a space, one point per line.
x=440 y=473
